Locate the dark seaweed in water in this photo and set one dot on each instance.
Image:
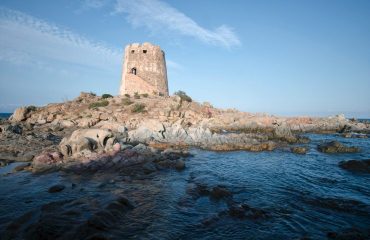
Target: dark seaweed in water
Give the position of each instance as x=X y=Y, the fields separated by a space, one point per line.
x=235 y=195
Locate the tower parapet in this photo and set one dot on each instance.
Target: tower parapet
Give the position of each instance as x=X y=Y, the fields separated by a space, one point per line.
x=144 y=70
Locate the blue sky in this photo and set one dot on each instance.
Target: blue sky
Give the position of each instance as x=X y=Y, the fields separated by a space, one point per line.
x=306 y=57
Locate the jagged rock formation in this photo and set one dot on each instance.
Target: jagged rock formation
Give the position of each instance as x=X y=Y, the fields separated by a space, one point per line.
x=162 y=122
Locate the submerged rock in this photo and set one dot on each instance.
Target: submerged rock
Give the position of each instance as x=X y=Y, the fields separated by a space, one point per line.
x=354 y=135
x=349 y=234
x=220 y=192
x=245 y=211
x=356 y=165
x=83 y=218
x=56 y=188
x=180 y=165
x=149 y=168
x=336 y=147
x=21 y=167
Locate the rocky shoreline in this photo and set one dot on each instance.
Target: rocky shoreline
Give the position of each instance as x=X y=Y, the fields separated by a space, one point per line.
x=115 y=132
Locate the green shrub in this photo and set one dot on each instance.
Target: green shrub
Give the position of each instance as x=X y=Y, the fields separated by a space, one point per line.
x=183 y=96
x=127 y=101
x=145 y=95
x=138 y=108
x=106 y=95
x=102 y=103
x=92 y=93
x=136 y=95
x=31 y=108
x=161 y=94
x=127 y=95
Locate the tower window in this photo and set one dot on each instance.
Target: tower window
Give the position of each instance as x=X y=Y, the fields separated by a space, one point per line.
x=132 y=51
x=133 y=71
x=144 y=51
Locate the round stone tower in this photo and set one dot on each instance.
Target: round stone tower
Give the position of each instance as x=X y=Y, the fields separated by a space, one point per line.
x=144 y=70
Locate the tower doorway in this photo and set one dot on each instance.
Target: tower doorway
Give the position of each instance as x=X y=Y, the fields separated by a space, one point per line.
x=133 y=71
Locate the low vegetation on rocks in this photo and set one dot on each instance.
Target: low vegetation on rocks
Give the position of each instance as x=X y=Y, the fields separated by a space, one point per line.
x=138 y=108
x=183 y=96
x=136 y=95
x=102 y=103
x=106 y=95
x=31 y=108
x=127 y=102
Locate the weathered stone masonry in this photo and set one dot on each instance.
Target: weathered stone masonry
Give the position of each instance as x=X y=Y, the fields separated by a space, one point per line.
x=144 y=70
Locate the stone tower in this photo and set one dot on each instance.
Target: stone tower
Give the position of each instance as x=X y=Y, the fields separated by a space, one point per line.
x=144 y=70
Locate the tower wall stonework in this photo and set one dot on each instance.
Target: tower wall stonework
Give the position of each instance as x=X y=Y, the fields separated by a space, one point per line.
x=144 y=70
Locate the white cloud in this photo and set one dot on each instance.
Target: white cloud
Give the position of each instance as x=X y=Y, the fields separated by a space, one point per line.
x=28 y=40
x=173 y=65
x=157 y=16
x=94 y=3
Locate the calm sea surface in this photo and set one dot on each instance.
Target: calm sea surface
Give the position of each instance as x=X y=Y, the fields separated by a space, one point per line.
x=5 y=115
x=303 y=195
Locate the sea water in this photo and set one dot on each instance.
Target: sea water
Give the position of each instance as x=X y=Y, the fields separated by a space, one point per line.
x=302 y=195
x=5 y=115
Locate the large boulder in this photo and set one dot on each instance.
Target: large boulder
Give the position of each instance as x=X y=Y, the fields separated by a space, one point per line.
x=200 y=134
x=176 y=132
x=85 y=141
x=112 y=126
x=336 y=147
x=47 y=161
x=283 y=132
x=19 y=114
x=148 y=130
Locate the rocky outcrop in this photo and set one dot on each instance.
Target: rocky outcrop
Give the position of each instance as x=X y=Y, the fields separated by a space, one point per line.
x=83 y=142
x=148 y=130
x=167 y=122
x=354 y=135
x=9 y=129
x=283 y=132
x=19 y=114
x=336 y=147
x=47 y=161
x=176 y=134
x=299 y=150
x=141 y=158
